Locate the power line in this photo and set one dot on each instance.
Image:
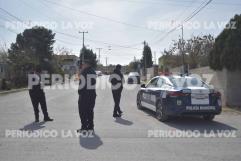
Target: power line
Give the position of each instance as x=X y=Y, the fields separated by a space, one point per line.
x=187 y=19
x=5 y=18
x=8 y=13
x=197 y=11
x=116 y=45
x=30 y=6
x=96 y=41
x=65 y=34
x=179 y=15
x=176 y=27
x=13 y=16
x=101 y=17
x=73 y=36
x=174 y=3
x=66 y=42
x=46 y=6
x=186 y=8
x=152 y=2
x=2 y=26
x=128 y=46
x=121 y=46
x=194 y=13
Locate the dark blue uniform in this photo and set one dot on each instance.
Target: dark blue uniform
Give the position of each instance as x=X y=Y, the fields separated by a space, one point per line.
x=37 y=96
x=87 y=98
x=117 y=87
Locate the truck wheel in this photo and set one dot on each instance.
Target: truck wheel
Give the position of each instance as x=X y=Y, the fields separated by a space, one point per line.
x=138 y=102
x=208 y=117
x=160 y=112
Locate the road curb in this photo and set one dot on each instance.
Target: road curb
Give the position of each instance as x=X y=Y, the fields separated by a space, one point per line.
x=12 y=91
x=228 y=109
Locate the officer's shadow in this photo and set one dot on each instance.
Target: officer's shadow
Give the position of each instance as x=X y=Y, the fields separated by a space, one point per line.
x=33 y=126
x=90 y=142
x=123 y=121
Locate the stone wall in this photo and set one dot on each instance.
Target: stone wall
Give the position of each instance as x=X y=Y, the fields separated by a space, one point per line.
x=233 y=92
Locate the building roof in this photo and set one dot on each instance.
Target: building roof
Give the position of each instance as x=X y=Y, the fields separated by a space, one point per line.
x=66 y=56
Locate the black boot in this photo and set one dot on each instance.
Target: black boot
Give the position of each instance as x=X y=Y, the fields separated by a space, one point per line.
x=36 y=118
x=116 y=115
x=120 y=112
x=48 y=119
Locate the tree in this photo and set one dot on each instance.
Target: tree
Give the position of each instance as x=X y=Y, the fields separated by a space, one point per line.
x=88 y=55
x=146 y=60
x=170 y=61
x=226 y=52
x=63 y=51
x=196 y=52
x=198 y=49
x=6 y=69
x=134 y=66
x=32 y=47
x=3 y=53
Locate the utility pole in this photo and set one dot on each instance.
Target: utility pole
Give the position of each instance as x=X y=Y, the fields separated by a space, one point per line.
x=99 y=49
x=106 y=64
x=144 y=57
x=84 y=32
x=182 y=50
x=106 y=59
x=154 y=58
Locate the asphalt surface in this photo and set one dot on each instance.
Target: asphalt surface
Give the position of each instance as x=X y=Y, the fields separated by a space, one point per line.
x=127 y=139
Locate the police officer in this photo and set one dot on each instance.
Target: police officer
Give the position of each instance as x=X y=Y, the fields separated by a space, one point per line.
x=117 y=80
x=37 y=96
x=87 y=95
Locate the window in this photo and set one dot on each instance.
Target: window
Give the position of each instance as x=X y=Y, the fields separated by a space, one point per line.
x=188 y=82
x=160 y=82
x=152 y=83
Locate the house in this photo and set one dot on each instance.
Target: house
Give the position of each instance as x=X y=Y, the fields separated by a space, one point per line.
x=3 y=72
x=68 y=63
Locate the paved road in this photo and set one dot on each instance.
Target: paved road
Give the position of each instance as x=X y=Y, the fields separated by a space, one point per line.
x=123 y=139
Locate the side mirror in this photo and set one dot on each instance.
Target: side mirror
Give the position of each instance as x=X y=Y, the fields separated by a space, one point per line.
x=143 y=86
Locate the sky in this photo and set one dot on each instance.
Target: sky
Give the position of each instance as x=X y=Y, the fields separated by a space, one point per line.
x=119 y=27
